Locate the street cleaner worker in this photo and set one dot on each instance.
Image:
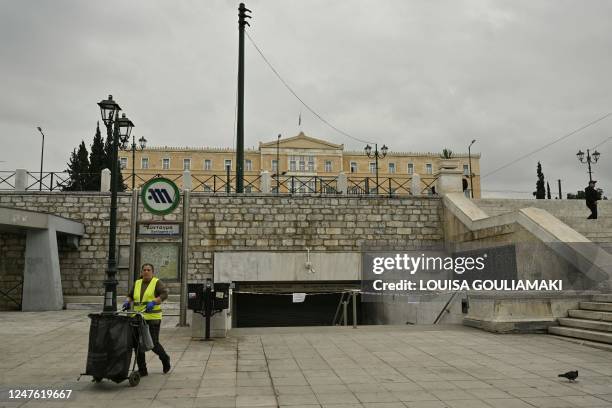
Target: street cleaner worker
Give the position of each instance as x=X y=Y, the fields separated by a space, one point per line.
x=147 y=295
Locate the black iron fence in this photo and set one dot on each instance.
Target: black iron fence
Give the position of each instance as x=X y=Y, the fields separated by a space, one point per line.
x=36 y=181
x=226 y=183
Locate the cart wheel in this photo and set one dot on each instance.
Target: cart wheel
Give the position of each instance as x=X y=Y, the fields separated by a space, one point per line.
x=134 y=379
x=97 y=379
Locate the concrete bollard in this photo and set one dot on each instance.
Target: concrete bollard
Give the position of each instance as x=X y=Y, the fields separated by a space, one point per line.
x=21 y=179
x=265 y=182
x=105 y=180
x=415 y=185
x=449 y=177
x=186 y=180
x=342 y=183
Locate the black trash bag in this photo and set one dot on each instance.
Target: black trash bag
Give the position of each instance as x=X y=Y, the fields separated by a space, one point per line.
x=110 y=347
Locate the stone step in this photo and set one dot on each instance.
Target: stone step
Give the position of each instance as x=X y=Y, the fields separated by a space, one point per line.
x=599 y=306
x=592 y=335
x=603 y=297
x=590 y=314
x=586 y=324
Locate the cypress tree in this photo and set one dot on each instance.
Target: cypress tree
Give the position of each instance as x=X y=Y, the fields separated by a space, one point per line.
x=540 y=192
x=548 y=195
x=108 y=159
x=78 y=167
x=97 y=160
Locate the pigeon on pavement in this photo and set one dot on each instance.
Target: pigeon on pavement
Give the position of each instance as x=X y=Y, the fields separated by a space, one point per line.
x=570 y=375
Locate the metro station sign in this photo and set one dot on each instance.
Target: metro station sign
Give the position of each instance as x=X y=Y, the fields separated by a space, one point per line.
x=160 y=196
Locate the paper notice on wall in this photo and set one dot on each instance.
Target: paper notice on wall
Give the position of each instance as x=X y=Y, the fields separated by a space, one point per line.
x=299 y=297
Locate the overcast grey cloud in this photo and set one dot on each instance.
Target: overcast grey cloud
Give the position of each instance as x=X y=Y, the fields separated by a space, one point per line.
x=416 y=75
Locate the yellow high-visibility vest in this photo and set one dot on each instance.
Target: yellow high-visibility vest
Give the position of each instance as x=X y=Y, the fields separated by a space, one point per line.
x=141 y=304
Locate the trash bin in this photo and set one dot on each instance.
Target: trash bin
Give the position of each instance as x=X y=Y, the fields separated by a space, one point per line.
x=112 y=337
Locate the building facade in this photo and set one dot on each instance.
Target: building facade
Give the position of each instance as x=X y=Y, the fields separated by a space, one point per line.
x=300 y=163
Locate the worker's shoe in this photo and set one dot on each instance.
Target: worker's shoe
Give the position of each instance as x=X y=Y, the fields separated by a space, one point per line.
x=166 y=364
x=143 y=373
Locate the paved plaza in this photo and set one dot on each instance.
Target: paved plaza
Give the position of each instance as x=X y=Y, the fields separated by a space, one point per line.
x=376 y=366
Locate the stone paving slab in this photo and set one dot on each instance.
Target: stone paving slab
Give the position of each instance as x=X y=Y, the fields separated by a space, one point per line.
x=327 y=367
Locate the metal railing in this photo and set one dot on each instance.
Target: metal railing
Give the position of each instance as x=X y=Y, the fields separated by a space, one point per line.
x=7 y=294
x=304 y=184
x=47 y=181
x=226 y=183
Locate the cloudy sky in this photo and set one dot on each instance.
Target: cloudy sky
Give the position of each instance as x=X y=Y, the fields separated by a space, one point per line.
x=415 y=75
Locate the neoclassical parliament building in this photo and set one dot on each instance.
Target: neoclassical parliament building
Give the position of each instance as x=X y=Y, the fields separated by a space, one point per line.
x=301 y=157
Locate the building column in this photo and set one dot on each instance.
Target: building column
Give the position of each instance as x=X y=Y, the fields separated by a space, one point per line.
x=42 y=281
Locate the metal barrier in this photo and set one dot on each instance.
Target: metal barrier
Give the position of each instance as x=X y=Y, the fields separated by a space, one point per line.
x=226 y=183
x=7 y=294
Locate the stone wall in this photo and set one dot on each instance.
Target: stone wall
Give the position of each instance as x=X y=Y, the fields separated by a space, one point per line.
x=12 y=252
x=83 y=269
x=230 y=223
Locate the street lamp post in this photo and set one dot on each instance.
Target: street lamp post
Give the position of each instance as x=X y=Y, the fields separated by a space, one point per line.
x=278 y=164
x=142 y=144
x=42 y=155
x=118 y=129
x=590 y=158
x=376 y=155
x=470 y=165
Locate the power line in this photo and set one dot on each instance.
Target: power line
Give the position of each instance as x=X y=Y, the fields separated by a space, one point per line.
x=602 y=142
x=300 y=99
x=547 y=145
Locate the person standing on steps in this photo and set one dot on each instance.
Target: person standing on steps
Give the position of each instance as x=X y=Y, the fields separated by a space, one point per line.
x=147 y=295
x=591 y=196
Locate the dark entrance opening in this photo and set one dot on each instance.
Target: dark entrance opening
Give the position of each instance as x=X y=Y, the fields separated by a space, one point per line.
x=267 y=307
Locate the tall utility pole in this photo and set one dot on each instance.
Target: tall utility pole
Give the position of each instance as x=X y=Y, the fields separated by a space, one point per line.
x=560 y=195
x=242 y=16
x=470 y=167
x=278 y=164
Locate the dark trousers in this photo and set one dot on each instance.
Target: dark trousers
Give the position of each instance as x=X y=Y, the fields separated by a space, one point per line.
x=593 y=208
x=157 y=349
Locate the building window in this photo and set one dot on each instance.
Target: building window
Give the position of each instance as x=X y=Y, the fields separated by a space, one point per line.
x=144 y=163
x=248 y=165
x=466 y=170
x=275 y=166
x=207 y=164
x=207 y=188
x=391 y=167
x=302 y=164
x=248 y=189
x=428 y=168
x=410 y=168
x=372 y=167
x=292 y=163
x=165 y=164
x=275 y=189
x=328 y=166
x=186 y=164
x=311 y=164
x=228 y=163
x=123 y=163
x=353 y=167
